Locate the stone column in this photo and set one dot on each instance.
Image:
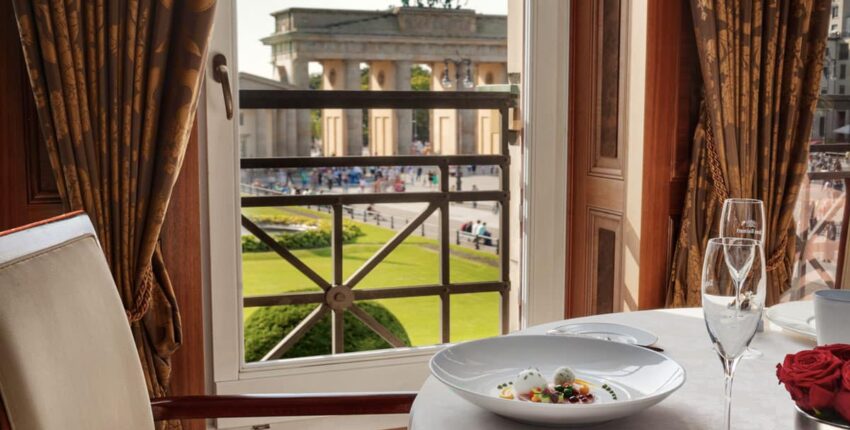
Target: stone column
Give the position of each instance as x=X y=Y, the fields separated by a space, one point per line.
x=466 y=118
x=489 y=121
x=404 y=117
x=353 y=117
x=298 y=75
x=286 y=134
x=444 y=122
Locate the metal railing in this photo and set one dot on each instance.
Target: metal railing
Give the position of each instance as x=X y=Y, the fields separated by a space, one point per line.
x=808 y=267
x=340 y=295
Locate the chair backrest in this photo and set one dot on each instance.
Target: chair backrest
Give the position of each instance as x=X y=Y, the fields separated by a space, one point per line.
x=67 y=356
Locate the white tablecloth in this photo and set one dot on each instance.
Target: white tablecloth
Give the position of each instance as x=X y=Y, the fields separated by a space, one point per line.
x=758 y=401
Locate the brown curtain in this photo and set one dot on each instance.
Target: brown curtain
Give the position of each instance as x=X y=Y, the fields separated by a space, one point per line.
x=116 y=86
x=761 y=63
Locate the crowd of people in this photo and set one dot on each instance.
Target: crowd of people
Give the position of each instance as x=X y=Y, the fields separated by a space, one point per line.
x=373 y=179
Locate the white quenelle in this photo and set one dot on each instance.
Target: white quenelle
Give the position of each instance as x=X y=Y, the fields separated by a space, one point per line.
x=528 y=380
x=564 y=375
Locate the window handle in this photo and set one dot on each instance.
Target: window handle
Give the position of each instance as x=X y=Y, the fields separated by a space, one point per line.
x=221 y=75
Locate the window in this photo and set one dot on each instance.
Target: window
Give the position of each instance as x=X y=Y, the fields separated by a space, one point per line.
x=230 y=276
x=819 y=212
x=834 y=11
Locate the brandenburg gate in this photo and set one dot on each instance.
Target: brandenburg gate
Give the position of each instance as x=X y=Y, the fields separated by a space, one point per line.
x=463 y=50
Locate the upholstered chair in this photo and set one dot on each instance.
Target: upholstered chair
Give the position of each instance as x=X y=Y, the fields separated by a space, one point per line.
x=67 y=357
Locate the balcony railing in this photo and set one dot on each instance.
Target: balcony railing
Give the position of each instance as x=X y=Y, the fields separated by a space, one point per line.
x=816 y=247
x=339 y=295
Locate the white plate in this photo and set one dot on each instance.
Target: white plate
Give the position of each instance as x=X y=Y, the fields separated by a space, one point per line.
x=639 y=377
x=797 y=317
x=607 y=331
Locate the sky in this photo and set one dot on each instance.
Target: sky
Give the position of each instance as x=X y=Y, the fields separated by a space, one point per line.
x=253 y=21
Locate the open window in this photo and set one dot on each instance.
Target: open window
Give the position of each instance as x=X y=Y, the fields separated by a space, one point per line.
x=363 y=209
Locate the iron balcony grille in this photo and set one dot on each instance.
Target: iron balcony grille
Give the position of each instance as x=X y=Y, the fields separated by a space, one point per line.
x=339 y=295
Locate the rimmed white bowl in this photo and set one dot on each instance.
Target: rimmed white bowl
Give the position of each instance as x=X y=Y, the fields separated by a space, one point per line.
x=640 y=377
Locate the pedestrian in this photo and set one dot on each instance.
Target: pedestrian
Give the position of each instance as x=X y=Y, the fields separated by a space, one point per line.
x=476 y=229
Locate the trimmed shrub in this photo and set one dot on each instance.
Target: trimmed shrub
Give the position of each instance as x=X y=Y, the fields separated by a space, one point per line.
x=267 y=326
x=319 y=237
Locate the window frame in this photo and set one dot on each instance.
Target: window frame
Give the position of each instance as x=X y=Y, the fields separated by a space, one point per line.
x=542 y=248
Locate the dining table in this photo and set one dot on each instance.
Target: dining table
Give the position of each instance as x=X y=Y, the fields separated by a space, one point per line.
x=759 y=401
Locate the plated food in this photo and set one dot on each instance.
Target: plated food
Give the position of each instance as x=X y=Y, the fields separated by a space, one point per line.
x=565 y=388
x=616 y=379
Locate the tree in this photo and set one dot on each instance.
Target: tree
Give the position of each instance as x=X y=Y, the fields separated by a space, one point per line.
x=315 y=114
x=364 y=86
x=420 y=80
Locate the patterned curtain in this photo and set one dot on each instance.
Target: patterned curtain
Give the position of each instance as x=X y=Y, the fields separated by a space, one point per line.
x=116 y=86
x=761 y=63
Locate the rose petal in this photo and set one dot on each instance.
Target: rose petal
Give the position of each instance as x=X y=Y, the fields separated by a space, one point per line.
x=842 y=404
x=820 y=398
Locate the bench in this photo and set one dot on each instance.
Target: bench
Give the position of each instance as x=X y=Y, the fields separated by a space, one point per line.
x=477 y=239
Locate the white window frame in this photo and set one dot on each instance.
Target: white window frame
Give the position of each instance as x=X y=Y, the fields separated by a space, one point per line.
x=542 y=221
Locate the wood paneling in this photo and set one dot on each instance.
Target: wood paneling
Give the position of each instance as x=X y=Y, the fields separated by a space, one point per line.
x=181 y=248
x=596 y=156
x=28 y=193
x=27 y=189
x=672 y=105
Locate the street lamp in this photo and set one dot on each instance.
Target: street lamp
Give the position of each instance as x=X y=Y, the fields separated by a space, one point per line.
x=466 y=82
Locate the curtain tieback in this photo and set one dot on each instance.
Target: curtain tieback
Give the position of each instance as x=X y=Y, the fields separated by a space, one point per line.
x=142 y=300
x=719 y=188
x=777 y=258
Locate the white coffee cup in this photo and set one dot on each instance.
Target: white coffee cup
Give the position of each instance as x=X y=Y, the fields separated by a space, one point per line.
x=832 y=316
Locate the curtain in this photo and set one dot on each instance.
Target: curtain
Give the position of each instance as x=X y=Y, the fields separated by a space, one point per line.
x=116 y=86
x=761 y=64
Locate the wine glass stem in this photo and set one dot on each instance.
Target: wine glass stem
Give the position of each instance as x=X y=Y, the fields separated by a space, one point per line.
x=729 y=373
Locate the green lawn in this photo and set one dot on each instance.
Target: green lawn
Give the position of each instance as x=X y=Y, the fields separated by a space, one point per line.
x=414 y=262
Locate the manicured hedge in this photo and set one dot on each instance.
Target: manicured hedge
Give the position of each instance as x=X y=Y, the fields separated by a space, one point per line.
x=318 y=237
x=267 y=326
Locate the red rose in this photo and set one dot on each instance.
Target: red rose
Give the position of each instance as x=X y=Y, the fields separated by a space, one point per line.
x=811 y=377
x=842 y=404
x=845 y=375
x=840 y=350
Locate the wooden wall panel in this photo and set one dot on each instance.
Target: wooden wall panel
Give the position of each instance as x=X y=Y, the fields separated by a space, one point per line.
x=596 y=158
x=27 y=189
x=28 y=193
x=672 y=108
x=181 y=247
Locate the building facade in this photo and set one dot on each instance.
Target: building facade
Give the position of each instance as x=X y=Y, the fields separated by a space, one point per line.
x=833 y=108
x=459 y=46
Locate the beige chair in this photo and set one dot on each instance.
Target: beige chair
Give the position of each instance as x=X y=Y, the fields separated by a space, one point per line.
x=67 y=357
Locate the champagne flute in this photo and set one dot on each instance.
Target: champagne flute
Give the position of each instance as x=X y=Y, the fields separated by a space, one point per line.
x=744 y=218
x=733 y=294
